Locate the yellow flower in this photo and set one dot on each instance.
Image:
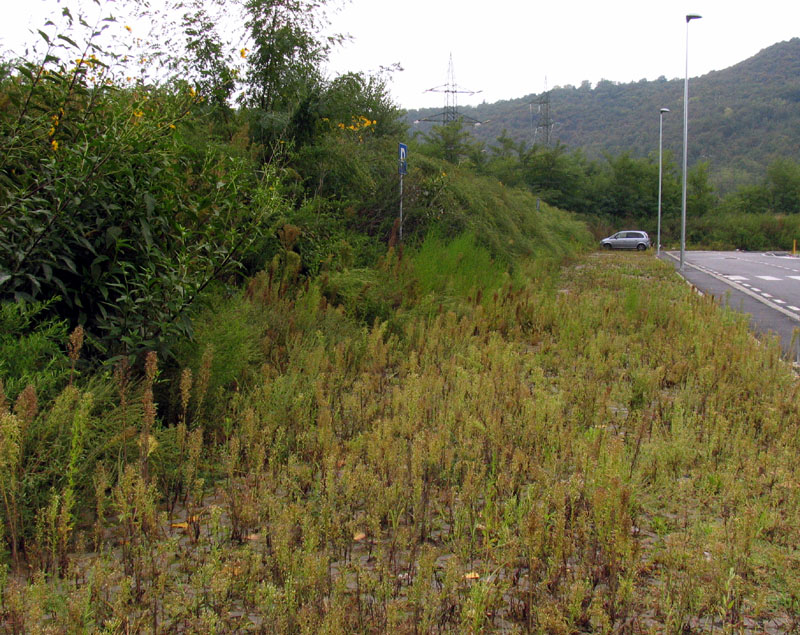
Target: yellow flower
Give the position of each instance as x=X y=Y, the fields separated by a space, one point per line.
x=127 y=28
x=51 y=132
x=138 y=113
x=172 y=126
x=54 y=145
x=243 y=52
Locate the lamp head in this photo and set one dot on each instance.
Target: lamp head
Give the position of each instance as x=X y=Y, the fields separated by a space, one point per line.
x=663 y=110
x=693 y=16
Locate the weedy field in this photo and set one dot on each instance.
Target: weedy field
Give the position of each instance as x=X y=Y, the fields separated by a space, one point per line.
x=595 y=449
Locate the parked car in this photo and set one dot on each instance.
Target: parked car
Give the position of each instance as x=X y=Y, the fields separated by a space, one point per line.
x=627 y=240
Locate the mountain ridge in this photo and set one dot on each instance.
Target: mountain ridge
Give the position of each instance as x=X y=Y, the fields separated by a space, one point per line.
x=740 y=118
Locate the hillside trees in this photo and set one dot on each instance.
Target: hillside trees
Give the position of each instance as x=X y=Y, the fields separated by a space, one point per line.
x=621 y=186
x=450 y=141
x=559 y=177
x=783 y=185
x=777 y=193
x=700 y=196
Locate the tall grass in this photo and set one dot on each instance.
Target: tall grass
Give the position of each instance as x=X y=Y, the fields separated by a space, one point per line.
x=458 y=267
x=594 y=450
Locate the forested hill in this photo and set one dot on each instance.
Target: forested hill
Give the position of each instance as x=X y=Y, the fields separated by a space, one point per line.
x=741 y=118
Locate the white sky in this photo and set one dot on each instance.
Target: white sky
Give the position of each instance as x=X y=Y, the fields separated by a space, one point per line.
x=510 y=48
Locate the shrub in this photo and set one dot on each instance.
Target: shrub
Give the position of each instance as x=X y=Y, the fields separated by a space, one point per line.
x=104 y=205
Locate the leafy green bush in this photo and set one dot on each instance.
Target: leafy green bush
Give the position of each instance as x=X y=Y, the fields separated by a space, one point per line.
x=104 y=205
x=458 y=267
x=749 y=232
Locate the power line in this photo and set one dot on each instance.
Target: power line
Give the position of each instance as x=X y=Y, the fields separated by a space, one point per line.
x=451 y=91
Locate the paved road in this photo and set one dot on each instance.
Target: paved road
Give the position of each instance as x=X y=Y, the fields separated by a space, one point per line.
x=765 y=285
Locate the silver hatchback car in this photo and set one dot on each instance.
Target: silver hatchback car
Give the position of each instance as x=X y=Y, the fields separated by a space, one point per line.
x=627 y=240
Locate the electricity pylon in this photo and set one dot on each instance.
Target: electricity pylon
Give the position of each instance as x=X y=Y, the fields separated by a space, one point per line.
x=451 y=91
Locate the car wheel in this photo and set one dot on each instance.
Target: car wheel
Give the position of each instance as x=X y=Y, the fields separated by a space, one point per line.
x=641 y=246
x=607 y=246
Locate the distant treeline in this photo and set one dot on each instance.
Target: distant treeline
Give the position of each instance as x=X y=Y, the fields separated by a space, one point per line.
x=623 y=188
x=741 y=119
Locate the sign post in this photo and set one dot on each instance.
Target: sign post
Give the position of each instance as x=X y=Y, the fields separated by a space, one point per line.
x=402 y=152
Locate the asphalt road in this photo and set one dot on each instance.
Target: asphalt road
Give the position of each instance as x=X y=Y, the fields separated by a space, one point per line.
x=764 y=285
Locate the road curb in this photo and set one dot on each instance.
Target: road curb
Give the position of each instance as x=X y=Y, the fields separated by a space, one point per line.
x=736 y=286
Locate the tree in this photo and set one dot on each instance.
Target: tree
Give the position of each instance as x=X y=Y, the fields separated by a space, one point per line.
x=544 y=173
x=208 y=62
x=288 y=50
x=700 y=196
x=450 y=141
x=783 y=183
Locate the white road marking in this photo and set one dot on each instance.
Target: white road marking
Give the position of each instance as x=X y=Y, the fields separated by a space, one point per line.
x=756 y=289
x=766 y=295
x=768 y=278
x=737 y=278
x=794 y=277
x=792 y=307
x=776 y=301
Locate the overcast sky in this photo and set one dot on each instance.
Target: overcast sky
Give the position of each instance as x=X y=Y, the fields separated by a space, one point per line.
x=511 y=48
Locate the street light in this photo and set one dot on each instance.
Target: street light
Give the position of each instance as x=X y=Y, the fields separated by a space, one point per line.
x=660 y=137
x=689 y=18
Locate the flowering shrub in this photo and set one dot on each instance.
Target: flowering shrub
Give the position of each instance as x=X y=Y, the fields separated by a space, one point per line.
x=105 y=205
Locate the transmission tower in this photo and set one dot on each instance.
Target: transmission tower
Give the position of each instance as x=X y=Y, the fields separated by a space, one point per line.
x=544 y=124
x=451 y=91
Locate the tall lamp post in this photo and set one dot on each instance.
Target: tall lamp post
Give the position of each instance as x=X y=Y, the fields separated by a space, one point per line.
x=689 y=18
x=660 y=138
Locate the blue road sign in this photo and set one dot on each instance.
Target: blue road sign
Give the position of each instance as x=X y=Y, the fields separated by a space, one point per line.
x=402 y=155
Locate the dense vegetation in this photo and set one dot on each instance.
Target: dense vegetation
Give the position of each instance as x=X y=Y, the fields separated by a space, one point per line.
x=232 y=400
x=578 y=452
x=622 y=190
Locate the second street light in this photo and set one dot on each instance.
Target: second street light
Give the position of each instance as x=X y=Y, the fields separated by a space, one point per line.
x=689 y=18
x=660 y=138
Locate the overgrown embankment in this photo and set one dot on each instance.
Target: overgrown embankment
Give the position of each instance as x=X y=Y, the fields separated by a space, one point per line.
x=232 y=399
x=588 y=448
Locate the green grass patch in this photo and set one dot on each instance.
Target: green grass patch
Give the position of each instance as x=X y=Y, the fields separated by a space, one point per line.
x=591 y=446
